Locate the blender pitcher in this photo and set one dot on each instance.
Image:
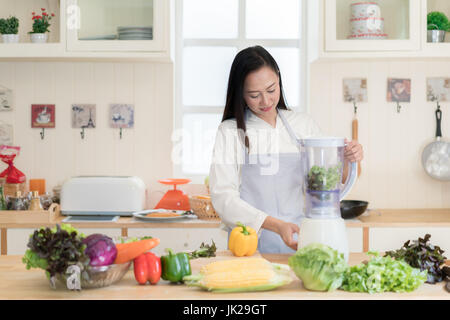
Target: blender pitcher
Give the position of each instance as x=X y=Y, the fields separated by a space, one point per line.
x=323 y=163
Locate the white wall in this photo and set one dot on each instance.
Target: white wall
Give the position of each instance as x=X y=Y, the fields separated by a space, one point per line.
x=143 y=151
x=392 y=174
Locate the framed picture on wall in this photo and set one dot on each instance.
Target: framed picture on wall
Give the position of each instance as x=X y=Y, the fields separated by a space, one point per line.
x=438 y=89
x=355 y=90
x=399 y=90
x=42 y=115
x=121 y=115
x=84 y=116
x=6 y=96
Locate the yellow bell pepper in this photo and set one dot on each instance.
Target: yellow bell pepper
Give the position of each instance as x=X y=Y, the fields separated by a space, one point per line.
x=243 y=241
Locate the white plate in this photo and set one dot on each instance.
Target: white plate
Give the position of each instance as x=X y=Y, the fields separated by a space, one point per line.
x=135 y=32
x=120 y=29
x=106 y=37
x=141 y=215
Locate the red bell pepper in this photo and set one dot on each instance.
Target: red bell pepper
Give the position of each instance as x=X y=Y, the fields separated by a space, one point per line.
x=147 y=267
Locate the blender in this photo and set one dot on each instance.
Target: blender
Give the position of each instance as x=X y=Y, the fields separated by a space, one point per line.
x=323 y=162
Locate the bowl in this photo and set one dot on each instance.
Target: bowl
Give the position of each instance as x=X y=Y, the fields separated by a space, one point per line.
x=97 y=277
x=353 y=208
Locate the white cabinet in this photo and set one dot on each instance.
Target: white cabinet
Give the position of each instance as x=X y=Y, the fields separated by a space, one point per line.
x=117 y=25
x=403 y=24
x=384 y=239
x=394 y=22
x=94 y=29
x=188 y=239
x=17 y=239
x=355 y=239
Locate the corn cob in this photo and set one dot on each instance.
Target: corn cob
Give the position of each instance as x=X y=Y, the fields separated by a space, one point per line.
x=234 y=275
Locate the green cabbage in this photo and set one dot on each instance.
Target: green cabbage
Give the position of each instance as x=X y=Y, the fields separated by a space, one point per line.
x=320 y=267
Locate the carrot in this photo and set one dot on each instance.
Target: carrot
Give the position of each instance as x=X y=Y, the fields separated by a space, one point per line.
x=128 y=251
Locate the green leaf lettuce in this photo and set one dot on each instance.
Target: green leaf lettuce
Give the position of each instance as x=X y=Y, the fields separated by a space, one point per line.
x=320 y=267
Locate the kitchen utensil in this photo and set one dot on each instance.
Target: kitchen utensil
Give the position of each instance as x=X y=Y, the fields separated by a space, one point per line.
x=103 y=195
x=355 y=137
x=323 y=160
x=351 y=209
x=174 y=199
x=99 y=276
x=142 y=215
x=436 y=155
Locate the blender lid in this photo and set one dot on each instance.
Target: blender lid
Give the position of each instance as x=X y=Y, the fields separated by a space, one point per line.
x=324 y=142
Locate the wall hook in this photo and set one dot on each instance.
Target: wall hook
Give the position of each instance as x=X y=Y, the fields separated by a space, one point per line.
x=120 y=133
x=398 y=107
x=354 y=106
x=42 y=133
x=82 y=133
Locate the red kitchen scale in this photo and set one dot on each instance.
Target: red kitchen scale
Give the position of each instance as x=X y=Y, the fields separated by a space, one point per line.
x=174 y=199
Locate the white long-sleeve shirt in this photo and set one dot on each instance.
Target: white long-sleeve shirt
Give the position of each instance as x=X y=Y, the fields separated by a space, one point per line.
x=228 y=158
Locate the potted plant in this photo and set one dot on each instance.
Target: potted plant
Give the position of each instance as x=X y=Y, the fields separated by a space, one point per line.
x=9 y=28
x=41 y=23
x=437 y=25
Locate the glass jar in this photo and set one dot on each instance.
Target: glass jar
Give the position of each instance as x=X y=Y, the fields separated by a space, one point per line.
x=18 y=202
x=46 y=201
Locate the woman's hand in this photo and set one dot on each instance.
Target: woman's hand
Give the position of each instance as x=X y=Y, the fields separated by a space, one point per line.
x=286 y=230
x=353 y=151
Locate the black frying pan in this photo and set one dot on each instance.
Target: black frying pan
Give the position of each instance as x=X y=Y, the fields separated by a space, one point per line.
x=352 y=208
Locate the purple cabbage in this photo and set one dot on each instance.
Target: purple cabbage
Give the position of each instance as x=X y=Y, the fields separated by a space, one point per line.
x=100 y=249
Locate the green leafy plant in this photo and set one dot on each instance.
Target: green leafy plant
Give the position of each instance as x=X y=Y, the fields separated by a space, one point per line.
x=41 y=23
x=55 y=249
x=437 y=21
x=322 y=179
x=9 y=25
x=382 y=274
x=422 y=254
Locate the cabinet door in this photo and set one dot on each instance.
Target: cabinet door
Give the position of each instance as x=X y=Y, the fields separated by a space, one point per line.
x=183 y=239
x=117 y=25
x=384 y=239
x=385 y=25
x=17 y=239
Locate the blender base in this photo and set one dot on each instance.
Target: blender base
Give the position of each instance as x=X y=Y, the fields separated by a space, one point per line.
x=330 y=232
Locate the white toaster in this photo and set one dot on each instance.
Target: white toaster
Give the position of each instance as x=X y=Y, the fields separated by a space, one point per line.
x=102 y=195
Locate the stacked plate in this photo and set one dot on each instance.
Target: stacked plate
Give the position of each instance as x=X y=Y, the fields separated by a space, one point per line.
x=135 y=33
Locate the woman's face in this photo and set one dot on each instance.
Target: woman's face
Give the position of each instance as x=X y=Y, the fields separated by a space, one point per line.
x=262 y=92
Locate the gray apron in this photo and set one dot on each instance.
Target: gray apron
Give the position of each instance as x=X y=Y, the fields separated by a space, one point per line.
x=276 y=192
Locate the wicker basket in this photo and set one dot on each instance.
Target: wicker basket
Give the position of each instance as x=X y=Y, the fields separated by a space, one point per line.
x=202 y=207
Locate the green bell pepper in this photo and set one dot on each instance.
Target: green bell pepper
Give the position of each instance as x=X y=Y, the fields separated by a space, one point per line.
x=175 y=266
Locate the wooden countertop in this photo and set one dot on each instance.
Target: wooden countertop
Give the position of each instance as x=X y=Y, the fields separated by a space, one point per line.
x=406 y=217
x=18 y=283
x=372 y=218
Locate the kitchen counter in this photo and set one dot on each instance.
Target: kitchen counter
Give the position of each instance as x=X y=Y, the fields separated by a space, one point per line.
x=18 y=283
x=372 y=218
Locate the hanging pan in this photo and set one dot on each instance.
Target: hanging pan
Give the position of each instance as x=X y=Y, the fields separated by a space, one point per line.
x=436 y=155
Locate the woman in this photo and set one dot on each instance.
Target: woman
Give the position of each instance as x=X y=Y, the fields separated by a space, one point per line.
x=256 y=175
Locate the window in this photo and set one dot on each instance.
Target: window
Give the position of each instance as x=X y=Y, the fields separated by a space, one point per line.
x=209 y=33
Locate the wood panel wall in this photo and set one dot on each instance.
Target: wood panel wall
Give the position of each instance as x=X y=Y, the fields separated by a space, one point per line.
x=144 y=151
x=392 y=174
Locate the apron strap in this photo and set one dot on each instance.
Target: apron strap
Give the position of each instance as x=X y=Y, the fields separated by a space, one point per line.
x=289 y=129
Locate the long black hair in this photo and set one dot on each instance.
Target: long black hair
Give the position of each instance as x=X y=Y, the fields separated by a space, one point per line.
x=246 y=61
